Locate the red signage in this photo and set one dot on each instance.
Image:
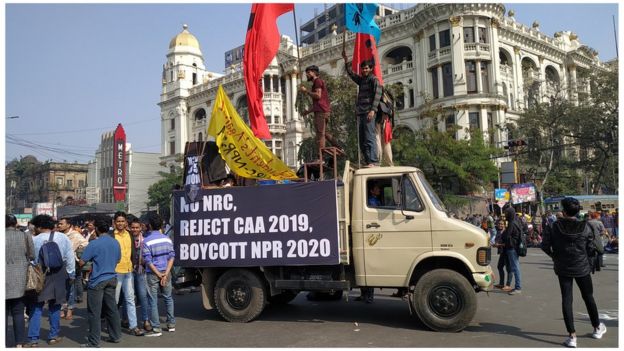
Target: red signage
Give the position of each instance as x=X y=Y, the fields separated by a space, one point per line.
x=119 y=164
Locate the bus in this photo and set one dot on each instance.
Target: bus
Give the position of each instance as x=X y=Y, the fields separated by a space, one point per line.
x=588 y=203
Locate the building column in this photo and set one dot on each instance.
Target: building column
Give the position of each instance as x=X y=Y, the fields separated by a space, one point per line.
x=496 y=74
x=288 y=115
x=440 y=82
x=457 y=52
x=478 y=73
x=293 y=85
x=519 y=81
x=573 y=86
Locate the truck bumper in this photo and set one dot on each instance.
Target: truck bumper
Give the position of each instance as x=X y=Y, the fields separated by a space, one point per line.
x=485 y=280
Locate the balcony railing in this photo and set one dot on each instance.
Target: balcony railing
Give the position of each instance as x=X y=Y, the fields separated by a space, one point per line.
x=403 y=66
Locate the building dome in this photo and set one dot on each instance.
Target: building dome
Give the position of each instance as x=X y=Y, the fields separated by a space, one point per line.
x=185 y=38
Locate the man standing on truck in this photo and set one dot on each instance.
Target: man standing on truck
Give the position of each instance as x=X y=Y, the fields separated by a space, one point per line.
x=320 y=107
x=369 y=95
x=158 y=255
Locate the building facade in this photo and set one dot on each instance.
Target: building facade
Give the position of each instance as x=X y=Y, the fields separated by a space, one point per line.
x=474 y=63
x=59 y=183
x=142 y=170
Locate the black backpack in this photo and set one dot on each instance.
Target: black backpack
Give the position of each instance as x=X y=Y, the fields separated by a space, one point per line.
x=522 y=244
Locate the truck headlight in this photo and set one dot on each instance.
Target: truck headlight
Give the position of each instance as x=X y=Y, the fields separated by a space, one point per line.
x=484 y=256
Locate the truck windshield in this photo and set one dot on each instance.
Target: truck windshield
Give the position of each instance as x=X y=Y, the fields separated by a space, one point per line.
x=432 y=195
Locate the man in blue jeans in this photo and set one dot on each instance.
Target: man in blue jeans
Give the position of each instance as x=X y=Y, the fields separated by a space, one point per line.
x=105 y=253
x=158 y=255
x=511 y=240
x=124 y=269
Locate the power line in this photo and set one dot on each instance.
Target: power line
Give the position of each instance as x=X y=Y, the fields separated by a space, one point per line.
x=102 y=129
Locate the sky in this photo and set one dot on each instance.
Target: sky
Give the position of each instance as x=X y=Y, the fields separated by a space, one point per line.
x=74 y=71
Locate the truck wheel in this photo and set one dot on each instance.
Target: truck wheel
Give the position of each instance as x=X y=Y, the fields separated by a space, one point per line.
x=285 y=297
x=444 y=300
x=240 y=295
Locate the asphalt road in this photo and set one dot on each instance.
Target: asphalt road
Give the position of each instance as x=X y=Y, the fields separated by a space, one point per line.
x=532 y=319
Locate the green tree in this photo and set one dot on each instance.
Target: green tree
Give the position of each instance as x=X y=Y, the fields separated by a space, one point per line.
x=568 y=142
x=159 y=193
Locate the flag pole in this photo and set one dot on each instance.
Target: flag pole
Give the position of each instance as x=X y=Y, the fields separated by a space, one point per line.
x=357 y=118
x=297 y=41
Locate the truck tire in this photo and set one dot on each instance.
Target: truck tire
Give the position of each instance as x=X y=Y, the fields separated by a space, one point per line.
x=285 y=297
x=240 y=295
x=444 y=300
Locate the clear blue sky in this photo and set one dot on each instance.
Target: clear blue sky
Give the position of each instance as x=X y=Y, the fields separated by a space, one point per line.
x=74 y=71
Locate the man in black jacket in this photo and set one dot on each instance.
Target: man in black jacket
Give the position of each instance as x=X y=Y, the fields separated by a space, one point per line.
x=567 y=242
x=369 y=95
x=511 y=240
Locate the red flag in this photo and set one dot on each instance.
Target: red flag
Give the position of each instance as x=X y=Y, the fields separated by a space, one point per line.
x=261 y=44
x=366 y=49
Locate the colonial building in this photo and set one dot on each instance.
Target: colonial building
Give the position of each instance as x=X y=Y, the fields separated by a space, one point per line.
x=479 y=67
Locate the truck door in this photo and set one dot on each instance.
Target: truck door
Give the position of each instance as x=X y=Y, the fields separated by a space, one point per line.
x=393 y=238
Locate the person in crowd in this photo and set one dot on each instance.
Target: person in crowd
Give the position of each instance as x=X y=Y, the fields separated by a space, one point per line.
x=490 y=224
x=124 y=269
x=140 y=284
x=78 y=283
x=158 y=255
x=19 y=251
x=104 y=253
x=616 y=223
x=320 y=107
x=599 y=230
x=369 y=95
x=566 y=242
x=511 y=240
x=503 y=261
x=89 y=230
x=66 y=226
x=54 y=289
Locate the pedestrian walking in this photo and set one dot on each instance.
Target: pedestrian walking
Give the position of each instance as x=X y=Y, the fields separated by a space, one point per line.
x=571 y=243
x=104 y=253
x=19 y=251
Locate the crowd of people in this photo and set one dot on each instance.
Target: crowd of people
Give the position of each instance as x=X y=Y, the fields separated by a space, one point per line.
x=124 y=265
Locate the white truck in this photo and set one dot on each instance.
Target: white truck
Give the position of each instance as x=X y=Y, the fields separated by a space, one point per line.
x=265 y=244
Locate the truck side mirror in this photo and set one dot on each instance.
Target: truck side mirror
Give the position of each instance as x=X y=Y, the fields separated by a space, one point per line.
x=402 y=198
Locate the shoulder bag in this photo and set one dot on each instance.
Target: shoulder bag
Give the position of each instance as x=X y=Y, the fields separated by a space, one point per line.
x=34 y=274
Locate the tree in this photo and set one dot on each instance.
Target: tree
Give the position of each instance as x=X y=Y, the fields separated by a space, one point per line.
x=566 y=141
x=159 y=193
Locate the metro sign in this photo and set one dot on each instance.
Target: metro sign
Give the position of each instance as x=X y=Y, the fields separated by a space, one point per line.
x=119 y=164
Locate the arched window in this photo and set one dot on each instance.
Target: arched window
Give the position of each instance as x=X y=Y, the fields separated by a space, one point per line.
x=200 y=114
x=200 y=137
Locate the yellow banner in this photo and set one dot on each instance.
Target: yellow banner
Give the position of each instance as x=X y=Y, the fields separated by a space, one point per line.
x=245 y=154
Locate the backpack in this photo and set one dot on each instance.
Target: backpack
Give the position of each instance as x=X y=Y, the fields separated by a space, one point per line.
x=50 y=257
x=522 y=244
